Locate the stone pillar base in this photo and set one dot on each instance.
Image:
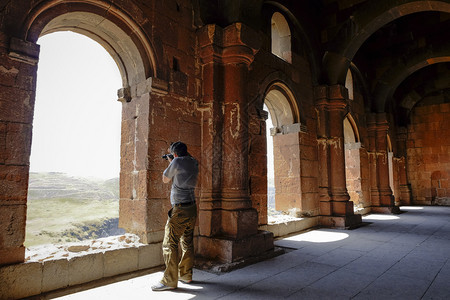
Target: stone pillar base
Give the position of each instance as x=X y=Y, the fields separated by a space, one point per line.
x=385 y=210
x=405 y=194
x=341 y=222
x=227 y=250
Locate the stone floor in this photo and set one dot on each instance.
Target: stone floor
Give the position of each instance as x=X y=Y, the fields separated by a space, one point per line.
x=405 y=256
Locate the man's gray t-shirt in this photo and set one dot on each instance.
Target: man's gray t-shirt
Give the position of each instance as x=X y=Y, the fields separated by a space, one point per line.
x=183 y=171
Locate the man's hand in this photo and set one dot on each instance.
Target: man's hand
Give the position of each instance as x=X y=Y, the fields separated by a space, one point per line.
x=165 y=179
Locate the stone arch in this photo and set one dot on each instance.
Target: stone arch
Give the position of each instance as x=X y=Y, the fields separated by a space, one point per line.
x=282 y=105
x=409 y=100
x=282 y=82
x=279 y=83
x=358 y=28
x=284 y=113
x=131 y=49
x=391 y=79
x=281 y=37
x=111 y=27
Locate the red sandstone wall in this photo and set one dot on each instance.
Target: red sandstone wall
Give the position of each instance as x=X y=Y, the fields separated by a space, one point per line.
x=287 y=172
x=428 y=153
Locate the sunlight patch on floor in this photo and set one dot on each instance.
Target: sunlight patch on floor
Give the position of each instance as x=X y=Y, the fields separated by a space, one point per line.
x=380 y=217
x=412 y=207
x=319 y=236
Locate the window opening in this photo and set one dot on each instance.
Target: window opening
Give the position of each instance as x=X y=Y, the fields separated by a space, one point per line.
x=353 y=164
x=270 y=169
x=75 y=158
x=391 y=167
x=349 y=84
x=283 y=156
x=281 y=37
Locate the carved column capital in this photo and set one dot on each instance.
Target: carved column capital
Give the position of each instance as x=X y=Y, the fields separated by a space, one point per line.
x=331 y=97
x=24 y=51
x=235 y=43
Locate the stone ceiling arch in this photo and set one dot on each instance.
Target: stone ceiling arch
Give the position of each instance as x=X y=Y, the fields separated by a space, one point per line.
x=418 y=93
x=392 y=78
x=359 y=27
x=406 y=101
x=111 y=27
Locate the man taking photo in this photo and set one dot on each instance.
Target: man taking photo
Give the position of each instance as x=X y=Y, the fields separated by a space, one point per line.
x=183 y=172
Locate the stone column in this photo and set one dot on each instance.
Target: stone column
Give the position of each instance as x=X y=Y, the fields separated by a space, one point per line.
x=335 y=208
x=381 y=194
x=143 y=204
x=18 y=66
x=405 y=187
x=228 y=224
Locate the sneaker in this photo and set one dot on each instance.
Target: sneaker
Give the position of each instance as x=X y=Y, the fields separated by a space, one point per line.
x=186 y=281
x=161 y=287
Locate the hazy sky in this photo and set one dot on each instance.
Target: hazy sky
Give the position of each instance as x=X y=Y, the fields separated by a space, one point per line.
x=76 y=127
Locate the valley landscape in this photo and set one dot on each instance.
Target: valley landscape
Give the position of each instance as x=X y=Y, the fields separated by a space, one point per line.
x=62 y=208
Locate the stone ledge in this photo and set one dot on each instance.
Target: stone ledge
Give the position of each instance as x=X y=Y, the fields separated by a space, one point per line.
x=289 y=227
x=56 y=275
x=33 y=278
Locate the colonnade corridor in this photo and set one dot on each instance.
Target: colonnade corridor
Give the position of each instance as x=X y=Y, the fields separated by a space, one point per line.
x=403 y=256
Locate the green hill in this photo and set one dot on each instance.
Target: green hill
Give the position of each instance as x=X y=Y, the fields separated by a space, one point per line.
x=62 y=208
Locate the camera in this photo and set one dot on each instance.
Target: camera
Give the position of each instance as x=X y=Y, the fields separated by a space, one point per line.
x=167 y=156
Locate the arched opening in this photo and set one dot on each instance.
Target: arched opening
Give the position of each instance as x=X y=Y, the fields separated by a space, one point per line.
x=283 y=138
x=353 y=163
x=281 y=37
x=73 y=191
x=270 y=165
x=123 y=39
x=392 y=175
x=349 y=84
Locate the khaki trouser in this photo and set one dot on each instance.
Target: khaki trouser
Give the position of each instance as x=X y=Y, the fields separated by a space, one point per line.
x=179 y=229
